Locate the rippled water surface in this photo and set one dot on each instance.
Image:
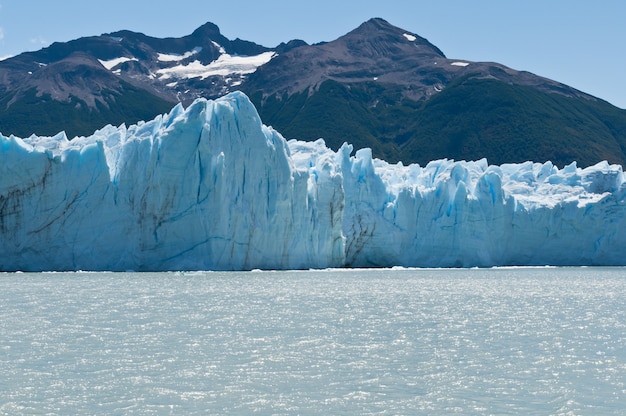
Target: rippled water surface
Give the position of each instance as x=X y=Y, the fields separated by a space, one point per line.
x=500 y=341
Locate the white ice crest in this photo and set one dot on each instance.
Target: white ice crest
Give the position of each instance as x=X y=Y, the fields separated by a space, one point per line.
x=211 y=188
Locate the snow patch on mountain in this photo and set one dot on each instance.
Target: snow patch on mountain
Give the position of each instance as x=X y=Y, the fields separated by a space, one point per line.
x=225 y=65
x=219 y=47
x=163 y=57
x=112 y=63
x=410 y=38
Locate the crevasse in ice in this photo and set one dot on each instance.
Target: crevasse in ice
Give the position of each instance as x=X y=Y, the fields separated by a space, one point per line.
x=211 y=188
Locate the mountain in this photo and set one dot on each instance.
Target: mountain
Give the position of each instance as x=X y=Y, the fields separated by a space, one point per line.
x=385 y=88
x=208 y=187
x=378 y=86
x=121 y=77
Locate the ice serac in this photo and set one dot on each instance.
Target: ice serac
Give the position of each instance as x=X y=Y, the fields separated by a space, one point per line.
x=210 y=187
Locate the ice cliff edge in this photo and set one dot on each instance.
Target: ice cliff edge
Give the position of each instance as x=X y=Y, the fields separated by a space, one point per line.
x=211 y=188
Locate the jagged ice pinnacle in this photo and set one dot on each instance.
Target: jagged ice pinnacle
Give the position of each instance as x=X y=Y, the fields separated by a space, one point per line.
x=212 y=188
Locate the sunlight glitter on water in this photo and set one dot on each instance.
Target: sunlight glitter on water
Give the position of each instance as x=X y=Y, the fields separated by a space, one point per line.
x=513 y=341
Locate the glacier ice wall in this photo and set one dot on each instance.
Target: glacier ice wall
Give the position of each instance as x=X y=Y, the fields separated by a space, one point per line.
x=212 y=188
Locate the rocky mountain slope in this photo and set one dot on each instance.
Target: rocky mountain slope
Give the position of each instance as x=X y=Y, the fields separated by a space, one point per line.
x=378 y=86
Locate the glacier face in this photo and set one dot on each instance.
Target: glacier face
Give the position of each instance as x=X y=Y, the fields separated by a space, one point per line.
x=211 y=188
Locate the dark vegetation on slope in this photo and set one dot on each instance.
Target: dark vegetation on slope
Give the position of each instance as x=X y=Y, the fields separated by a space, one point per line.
x=475 y=118
x=470 y=119
x=47 y=116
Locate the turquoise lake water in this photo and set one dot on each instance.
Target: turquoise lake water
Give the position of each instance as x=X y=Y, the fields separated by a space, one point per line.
x=335 y=342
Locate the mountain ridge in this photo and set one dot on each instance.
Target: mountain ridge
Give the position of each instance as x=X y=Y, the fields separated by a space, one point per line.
x=377 y=86
x=394 y=55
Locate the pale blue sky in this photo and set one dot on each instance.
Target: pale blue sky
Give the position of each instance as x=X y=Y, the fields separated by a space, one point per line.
x=580 y=43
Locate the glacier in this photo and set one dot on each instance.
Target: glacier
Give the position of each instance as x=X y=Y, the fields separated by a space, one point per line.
x=212 y=188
